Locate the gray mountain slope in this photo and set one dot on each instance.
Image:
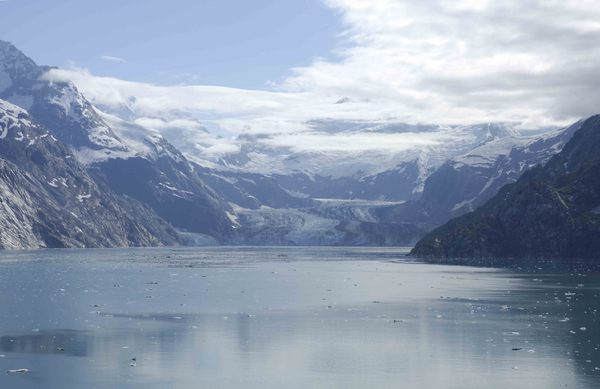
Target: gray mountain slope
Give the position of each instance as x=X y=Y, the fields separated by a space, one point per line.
x=49 y=200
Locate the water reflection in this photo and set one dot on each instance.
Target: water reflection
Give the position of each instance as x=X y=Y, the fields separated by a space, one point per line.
x=292 y=324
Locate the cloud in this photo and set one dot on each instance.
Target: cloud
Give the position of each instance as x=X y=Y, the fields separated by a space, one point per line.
x=235 y=110
x=353 y=142
x=460 y=62
x=111 y=58
x=466 y=60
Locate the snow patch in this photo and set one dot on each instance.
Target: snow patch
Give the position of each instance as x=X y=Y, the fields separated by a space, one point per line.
x=81 y=198
x=12 y=116
x=89 y=156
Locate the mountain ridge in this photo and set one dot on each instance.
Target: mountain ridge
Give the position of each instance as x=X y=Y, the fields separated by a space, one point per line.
x=551 y=212
x=162 y=180
x=49 y=200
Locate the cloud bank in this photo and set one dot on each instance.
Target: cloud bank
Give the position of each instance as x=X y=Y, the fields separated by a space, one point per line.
x=535 y=63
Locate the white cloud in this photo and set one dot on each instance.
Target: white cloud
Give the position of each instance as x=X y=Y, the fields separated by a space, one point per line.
x=463 y=61
x=112 y=58
x=162 y=124
x=430 y=61
x=353 y=142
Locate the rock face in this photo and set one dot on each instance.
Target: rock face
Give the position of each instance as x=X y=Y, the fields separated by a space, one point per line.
x=551 y=212
x=49 y=200
x=127 y=159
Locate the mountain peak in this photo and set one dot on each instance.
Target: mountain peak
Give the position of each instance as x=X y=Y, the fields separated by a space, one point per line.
x=6 y=45
x=9 y=54
x=14 y=65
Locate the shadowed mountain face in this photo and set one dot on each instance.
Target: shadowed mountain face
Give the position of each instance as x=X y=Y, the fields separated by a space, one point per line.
x=550 y=212
x=49 y=200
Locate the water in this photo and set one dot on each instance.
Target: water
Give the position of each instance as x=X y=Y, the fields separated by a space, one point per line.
x=289 y=318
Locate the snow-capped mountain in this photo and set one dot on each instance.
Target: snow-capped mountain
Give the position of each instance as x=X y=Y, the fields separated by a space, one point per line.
x=465 y=182
x=58 y=105
x=374 y=174
x=331 y=159
x=551 y=213
x=49 y=200
x=140 y=164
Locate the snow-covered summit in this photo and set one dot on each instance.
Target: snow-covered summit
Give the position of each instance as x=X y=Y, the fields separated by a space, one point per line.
x=58 y=104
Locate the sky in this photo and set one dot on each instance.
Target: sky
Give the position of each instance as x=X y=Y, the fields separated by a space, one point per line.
x=272 y=67
x=236 y=43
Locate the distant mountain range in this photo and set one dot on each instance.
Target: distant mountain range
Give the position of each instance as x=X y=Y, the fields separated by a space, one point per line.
x=77 y=175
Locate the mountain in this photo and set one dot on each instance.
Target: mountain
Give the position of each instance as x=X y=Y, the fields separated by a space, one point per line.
x=49 y=200
x=130 y=161
x=551 y=212
x=401 y=182
x=264 y=188
x=161 y=177
x=383 y=174
x=58 y=106
x=250 y=190
x=465 y=182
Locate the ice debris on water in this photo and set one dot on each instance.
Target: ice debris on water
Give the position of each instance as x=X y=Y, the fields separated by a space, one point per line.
x=17 y=371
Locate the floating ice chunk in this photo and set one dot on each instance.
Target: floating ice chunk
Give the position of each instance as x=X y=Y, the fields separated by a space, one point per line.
x=17 y=371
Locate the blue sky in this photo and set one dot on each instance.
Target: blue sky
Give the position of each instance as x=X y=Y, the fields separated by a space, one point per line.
x=233 y=43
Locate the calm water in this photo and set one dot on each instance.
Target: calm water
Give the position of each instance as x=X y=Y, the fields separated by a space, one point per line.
x=289 y=318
